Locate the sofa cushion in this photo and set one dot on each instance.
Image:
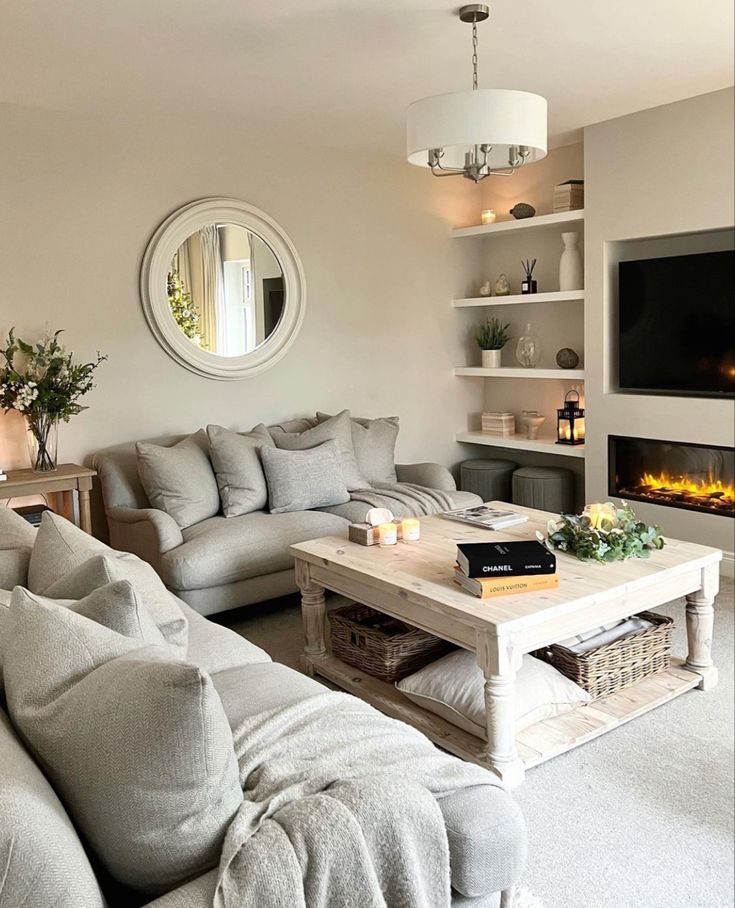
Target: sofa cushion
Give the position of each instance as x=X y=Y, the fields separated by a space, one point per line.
x=138 y=748
x=374 y=441
x=220 y=551
x=301 y=480
x=42 y=861
x=180 y=480
x=338 y=429
x=453 y=687
x=215 y=648
x=239 y=472
x=16 y=541
x=59 y=546
x=355 y=511
x=110 y=567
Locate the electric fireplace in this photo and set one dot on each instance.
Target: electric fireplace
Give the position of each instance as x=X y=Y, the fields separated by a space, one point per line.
x=673 y=473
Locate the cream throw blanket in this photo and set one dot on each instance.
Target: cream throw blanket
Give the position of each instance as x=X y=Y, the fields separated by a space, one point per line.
x=404 y=499
x=340 y=811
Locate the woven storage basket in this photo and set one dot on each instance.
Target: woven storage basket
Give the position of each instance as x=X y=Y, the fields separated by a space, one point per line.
x=619 y=664
x=380 y=645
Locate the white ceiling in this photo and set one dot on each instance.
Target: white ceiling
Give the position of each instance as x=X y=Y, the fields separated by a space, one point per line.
x=344 y=71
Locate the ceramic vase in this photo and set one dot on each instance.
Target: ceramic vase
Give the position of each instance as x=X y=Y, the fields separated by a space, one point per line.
x=571 y=272
x=491 y=359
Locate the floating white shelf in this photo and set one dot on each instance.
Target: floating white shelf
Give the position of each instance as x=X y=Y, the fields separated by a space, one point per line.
x=520 y=443
x=561 y=219
x=554 y=296
x=520 y=372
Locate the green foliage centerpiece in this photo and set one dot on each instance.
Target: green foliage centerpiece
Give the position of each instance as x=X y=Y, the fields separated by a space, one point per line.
x=44 y=384
x=603 y=533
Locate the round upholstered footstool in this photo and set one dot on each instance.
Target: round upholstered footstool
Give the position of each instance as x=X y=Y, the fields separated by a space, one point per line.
x=492 y=480
x=545 y=488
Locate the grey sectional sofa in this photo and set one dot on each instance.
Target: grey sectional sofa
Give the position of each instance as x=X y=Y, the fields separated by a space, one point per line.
x=43 y=862
x=223 y=563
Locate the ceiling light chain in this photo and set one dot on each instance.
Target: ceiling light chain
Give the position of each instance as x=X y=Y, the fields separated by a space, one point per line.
x=474 y=54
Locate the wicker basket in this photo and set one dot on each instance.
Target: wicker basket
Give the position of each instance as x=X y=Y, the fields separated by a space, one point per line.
x=616 y=665
x=380 y=645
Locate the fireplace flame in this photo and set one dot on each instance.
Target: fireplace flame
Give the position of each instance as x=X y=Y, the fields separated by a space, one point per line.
x=701 y=488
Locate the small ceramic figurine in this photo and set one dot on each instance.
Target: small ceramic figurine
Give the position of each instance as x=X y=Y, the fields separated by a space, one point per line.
x=485 y=289
x=522 y=210
x=502 y=286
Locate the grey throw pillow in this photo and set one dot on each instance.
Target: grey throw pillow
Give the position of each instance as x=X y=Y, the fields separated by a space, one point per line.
x=179 y=480
x=236 y=462
x=338 y=429
x=374 y=441
x=300 y=480
x=111 y=567
x=139 y=749
x=16 y=541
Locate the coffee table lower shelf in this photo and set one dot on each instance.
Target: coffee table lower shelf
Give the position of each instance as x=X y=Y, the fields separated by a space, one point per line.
x=537 y=743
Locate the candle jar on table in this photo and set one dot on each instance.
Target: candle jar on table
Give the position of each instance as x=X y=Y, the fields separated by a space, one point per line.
x=410 y=530
x=387 y=534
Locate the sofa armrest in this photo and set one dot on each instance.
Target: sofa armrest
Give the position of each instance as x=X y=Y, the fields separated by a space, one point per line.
x=429 y=475
x=146 y=532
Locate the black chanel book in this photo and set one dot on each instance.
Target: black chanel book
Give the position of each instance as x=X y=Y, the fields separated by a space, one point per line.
x=504 y=559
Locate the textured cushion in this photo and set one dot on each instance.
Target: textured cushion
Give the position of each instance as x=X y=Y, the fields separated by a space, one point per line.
x=16 y=541
x=139 y=749
x=453 y=687
x=109 y=567
x=374 y=441
x=179 y=480
x=59 y=546
x=338 y=429
x=214 y=648
x=42 y=862
x=300 y=480
x=236 y=463
x=221 y=551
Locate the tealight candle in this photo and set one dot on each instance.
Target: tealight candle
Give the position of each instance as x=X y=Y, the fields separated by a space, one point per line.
x=387 y=534
x=488 y=216
x=410 y=529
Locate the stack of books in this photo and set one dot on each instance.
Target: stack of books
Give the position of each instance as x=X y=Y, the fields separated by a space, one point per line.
x=569 y=196
x=489 y=569
x=501 y=424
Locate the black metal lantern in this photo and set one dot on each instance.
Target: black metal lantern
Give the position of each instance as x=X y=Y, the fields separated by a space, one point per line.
x=570 y=422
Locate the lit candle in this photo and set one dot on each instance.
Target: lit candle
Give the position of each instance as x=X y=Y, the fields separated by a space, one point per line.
x=388 y=534
x=488 y=216
x=411 y=529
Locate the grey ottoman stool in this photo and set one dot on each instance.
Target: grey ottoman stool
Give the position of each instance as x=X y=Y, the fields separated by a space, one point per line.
x=490 y=479
x=545 y=488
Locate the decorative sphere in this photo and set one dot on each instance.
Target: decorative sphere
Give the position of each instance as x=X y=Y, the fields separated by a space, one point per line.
x=566 y=358
x=522 y=210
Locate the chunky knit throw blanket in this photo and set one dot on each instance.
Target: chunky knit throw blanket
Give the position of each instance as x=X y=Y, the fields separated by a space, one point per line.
x=404 y=499
x=339 y=811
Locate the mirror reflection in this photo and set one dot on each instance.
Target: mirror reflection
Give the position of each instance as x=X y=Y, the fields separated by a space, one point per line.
x=225 y=289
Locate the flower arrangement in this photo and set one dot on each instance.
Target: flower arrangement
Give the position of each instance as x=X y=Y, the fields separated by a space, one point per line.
x=44 y=384
x=603 y=533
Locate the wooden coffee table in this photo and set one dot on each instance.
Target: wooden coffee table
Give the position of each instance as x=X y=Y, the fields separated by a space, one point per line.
x=413 y=582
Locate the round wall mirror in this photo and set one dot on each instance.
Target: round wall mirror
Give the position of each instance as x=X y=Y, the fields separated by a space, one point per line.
x=223 y=288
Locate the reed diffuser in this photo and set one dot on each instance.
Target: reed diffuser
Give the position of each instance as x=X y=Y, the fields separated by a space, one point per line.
x=528 y=284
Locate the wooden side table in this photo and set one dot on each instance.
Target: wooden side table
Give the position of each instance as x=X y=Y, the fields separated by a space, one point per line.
x=63 y=481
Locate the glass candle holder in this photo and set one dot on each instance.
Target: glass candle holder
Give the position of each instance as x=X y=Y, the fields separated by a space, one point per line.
x=387 y=534
x=410 y=530
x=487 y=215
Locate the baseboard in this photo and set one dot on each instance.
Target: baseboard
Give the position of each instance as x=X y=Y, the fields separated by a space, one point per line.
x=727 y=566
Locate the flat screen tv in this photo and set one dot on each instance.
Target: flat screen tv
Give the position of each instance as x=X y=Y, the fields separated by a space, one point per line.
x=676 y=319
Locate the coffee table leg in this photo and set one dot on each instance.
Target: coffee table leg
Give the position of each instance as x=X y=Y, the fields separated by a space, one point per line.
x=700 y=624
x=499 y=661
x=313 y=614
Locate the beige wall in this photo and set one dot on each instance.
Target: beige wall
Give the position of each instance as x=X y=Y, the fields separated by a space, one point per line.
x=656 y=173
x=80 y=199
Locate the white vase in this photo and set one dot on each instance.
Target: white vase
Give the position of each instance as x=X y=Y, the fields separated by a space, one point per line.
x=491 y=359
x=571 y=273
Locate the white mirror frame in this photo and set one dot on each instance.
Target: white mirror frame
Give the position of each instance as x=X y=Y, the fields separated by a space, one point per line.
x=178 y=227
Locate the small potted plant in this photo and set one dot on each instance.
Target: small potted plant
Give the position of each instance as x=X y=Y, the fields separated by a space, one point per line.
x=491 y=337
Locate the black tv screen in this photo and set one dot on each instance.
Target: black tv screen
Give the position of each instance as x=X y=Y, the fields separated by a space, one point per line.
x=677 y=325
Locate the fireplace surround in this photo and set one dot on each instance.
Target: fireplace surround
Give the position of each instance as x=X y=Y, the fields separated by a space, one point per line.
x=674 y=474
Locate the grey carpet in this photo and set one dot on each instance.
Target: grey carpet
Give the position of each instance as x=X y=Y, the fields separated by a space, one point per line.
x=639 y=818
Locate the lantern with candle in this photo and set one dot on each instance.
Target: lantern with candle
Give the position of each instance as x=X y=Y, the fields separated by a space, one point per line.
x=570 y=421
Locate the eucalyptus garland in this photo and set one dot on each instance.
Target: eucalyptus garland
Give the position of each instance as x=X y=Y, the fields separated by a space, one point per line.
x=603 y=533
